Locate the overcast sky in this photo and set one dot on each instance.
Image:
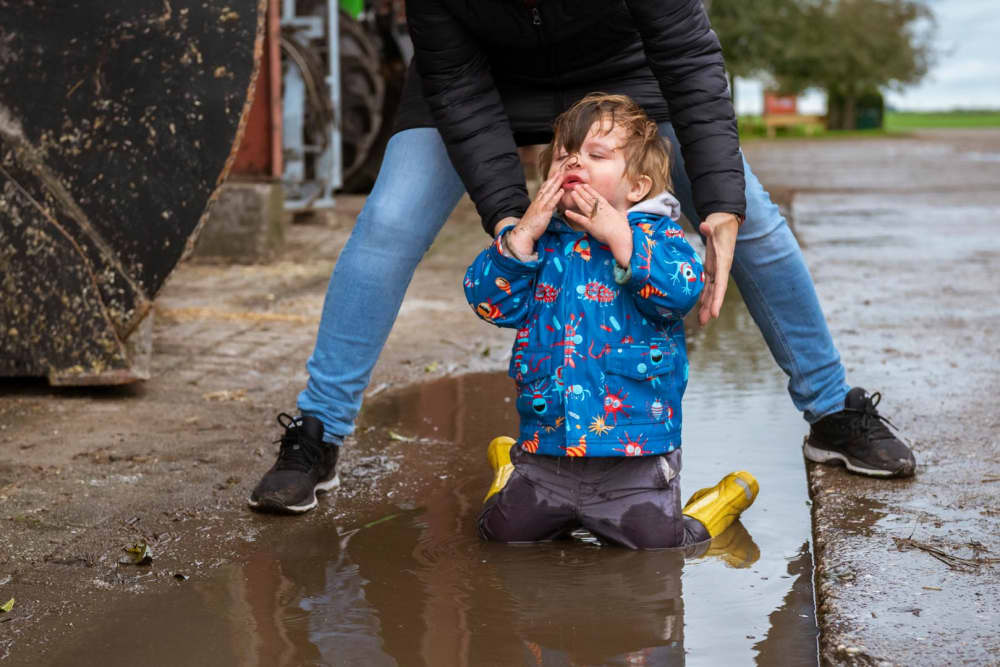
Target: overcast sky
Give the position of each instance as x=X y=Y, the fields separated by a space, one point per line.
x=966 y=74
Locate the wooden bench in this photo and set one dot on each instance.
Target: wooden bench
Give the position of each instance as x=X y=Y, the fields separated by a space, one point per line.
x=812 y=124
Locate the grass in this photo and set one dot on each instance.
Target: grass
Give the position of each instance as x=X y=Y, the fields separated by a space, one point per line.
x=752 y=127
x=896 y=123
x=911 y=120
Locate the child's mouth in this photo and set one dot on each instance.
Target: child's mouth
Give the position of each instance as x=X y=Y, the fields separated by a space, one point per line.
x=571 y=181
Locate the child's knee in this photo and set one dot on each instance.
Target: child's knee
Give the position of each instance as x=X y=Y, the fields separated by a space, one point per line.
x=515 y=515
x=649 y=526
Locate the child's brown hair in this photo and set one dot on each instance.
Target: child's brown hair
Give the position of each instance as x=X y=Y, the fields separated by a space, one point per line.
x=646 y=153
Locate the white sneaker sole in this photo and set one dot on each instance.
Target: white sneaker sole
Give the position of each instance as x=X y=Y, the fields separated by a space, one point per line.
x=322 y=487
x=824 y=456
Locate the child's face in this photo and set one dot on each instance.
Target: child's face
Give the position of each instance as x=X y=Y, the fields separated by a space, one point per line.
x=600 y=163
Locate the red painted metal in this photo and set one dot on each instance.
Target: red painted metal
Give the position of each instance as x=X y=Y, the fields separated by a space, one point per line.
x=259 y=154
x=273 y=49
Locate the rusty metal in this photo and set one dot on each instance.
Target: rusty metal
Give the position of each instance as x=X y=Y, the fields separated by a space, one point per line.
x=117 y=124
x=259 y=153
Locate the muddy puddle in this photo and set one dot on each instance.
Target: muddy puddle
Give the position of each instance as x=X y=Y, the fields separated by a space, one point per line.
x=389 y=570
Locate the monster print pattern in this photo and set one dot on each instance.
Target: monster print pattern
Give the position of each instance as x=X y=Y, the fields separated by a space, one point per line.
x=599 y=359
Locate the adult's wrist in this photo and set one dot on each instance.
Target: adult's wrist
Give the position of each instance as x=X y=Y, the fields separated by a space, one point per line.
x=716 y=215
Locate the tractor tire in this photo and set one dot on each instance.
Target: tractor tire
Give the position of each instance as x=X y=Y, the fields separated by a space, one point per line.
x=362 y=96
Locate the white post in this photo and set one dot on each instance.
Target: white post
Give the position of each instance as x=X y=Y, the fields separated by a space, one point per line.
x=333 y=81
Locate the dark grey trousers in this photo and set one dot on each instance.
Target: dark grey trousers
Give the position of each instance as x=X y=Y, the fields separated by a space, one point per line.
x=631 y=501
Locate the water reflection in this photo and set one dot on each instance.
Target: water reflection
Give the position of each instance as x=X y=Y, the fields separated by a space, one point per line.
x=390 y=594
x=414 y=590
x=390 y=570
x=560 y=603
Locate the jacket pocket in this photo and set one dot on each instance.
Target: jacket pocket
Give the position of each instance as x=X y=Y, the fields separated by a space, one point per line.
x=642 y=384
x=539 y=399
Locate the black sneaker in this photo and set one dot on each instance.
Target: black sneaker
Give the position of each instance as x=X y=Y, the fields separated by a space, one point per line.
x=857 y=436
x=305 y=465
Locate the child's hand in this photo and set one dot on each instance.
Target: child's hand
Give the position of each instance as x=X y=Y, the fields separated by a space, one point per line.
x=521 y=240
x=605 y=223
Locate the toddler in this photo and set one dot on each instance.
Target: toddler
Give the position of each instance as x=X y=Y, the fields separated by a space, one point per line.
x=597 y=277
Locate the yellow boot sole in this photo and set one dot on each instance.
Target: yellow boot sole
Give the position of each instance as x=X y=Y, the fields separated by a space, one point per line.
x=498 y=454
x=717 y=507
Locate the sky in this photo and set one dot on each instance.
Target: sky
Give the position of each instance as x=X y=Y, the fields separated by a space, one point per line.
x=966 y=74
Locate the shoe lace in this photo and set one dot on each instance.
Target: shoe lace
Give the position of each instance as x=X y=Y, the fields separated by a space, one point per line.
x=298 y=451
x=871 y=422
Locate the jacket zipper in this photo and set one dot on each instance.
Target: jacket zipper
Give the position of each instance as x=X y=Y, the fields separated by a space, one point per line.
x=536 y=20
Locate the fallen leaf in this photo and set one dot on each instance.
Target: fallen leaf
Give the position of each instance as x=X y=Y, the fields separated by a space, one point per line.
x=138 y=554
x=402 y=438
x=7 y=606
x=378 y=521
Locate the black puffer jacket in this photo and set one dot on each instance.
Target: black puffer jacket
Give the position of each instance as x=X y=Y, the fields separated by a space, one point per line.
x=494 y=74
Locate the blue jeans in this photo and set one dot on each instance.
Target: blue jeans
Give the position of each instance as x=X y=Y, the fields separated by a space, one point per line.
x=415 y=192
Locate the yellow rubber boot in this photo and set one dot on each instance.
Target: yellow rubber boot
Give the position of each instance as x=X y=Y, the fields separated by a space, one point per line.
x=718 y=506
x=498 y=454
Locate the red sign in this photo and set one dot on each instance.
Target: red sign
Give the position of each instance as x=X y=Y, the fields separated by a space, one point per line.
x=777 y=104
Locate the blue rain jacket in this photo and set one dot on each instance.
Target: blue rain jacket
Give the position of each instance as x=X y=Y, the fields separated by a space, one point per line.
x=599 y=358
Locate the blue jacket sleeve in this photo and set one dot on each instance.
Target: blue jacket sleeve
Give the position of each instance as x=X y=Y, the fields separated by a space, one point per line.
x=500 y=288
x=665 y=276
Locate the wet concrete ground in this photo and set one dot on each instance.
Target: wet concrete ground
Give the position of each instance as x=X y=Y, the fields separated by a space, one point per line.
x=901 y=237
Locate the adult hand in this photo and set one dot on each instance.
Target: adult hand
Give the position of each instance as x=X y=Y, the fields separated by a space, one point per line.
x=534 y=222
x=602 y=221
x=719 y=230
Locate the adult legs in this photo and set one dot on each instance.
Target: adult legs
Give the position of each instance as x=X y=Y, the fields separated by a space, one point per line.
x=415 y=192
x=772 y=277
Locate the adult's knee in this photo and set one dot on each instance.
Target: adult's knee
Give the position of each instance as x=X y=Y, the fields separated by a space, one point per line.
x=390 y=218
x=768 y=243
x=385 y=221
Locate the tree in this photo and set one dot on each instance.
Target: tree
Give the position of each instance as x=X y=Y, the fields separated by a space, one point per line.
x=849 y=48
x=753 y=33
x=852 y=48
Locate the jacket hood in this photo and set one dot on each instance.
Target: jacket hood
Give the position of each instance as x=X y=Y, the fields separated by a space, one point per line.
x=663 y=204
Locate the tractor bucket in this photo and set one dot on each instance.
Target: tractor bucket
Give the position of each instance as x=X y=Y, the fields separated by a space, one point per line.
x=118 y=121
